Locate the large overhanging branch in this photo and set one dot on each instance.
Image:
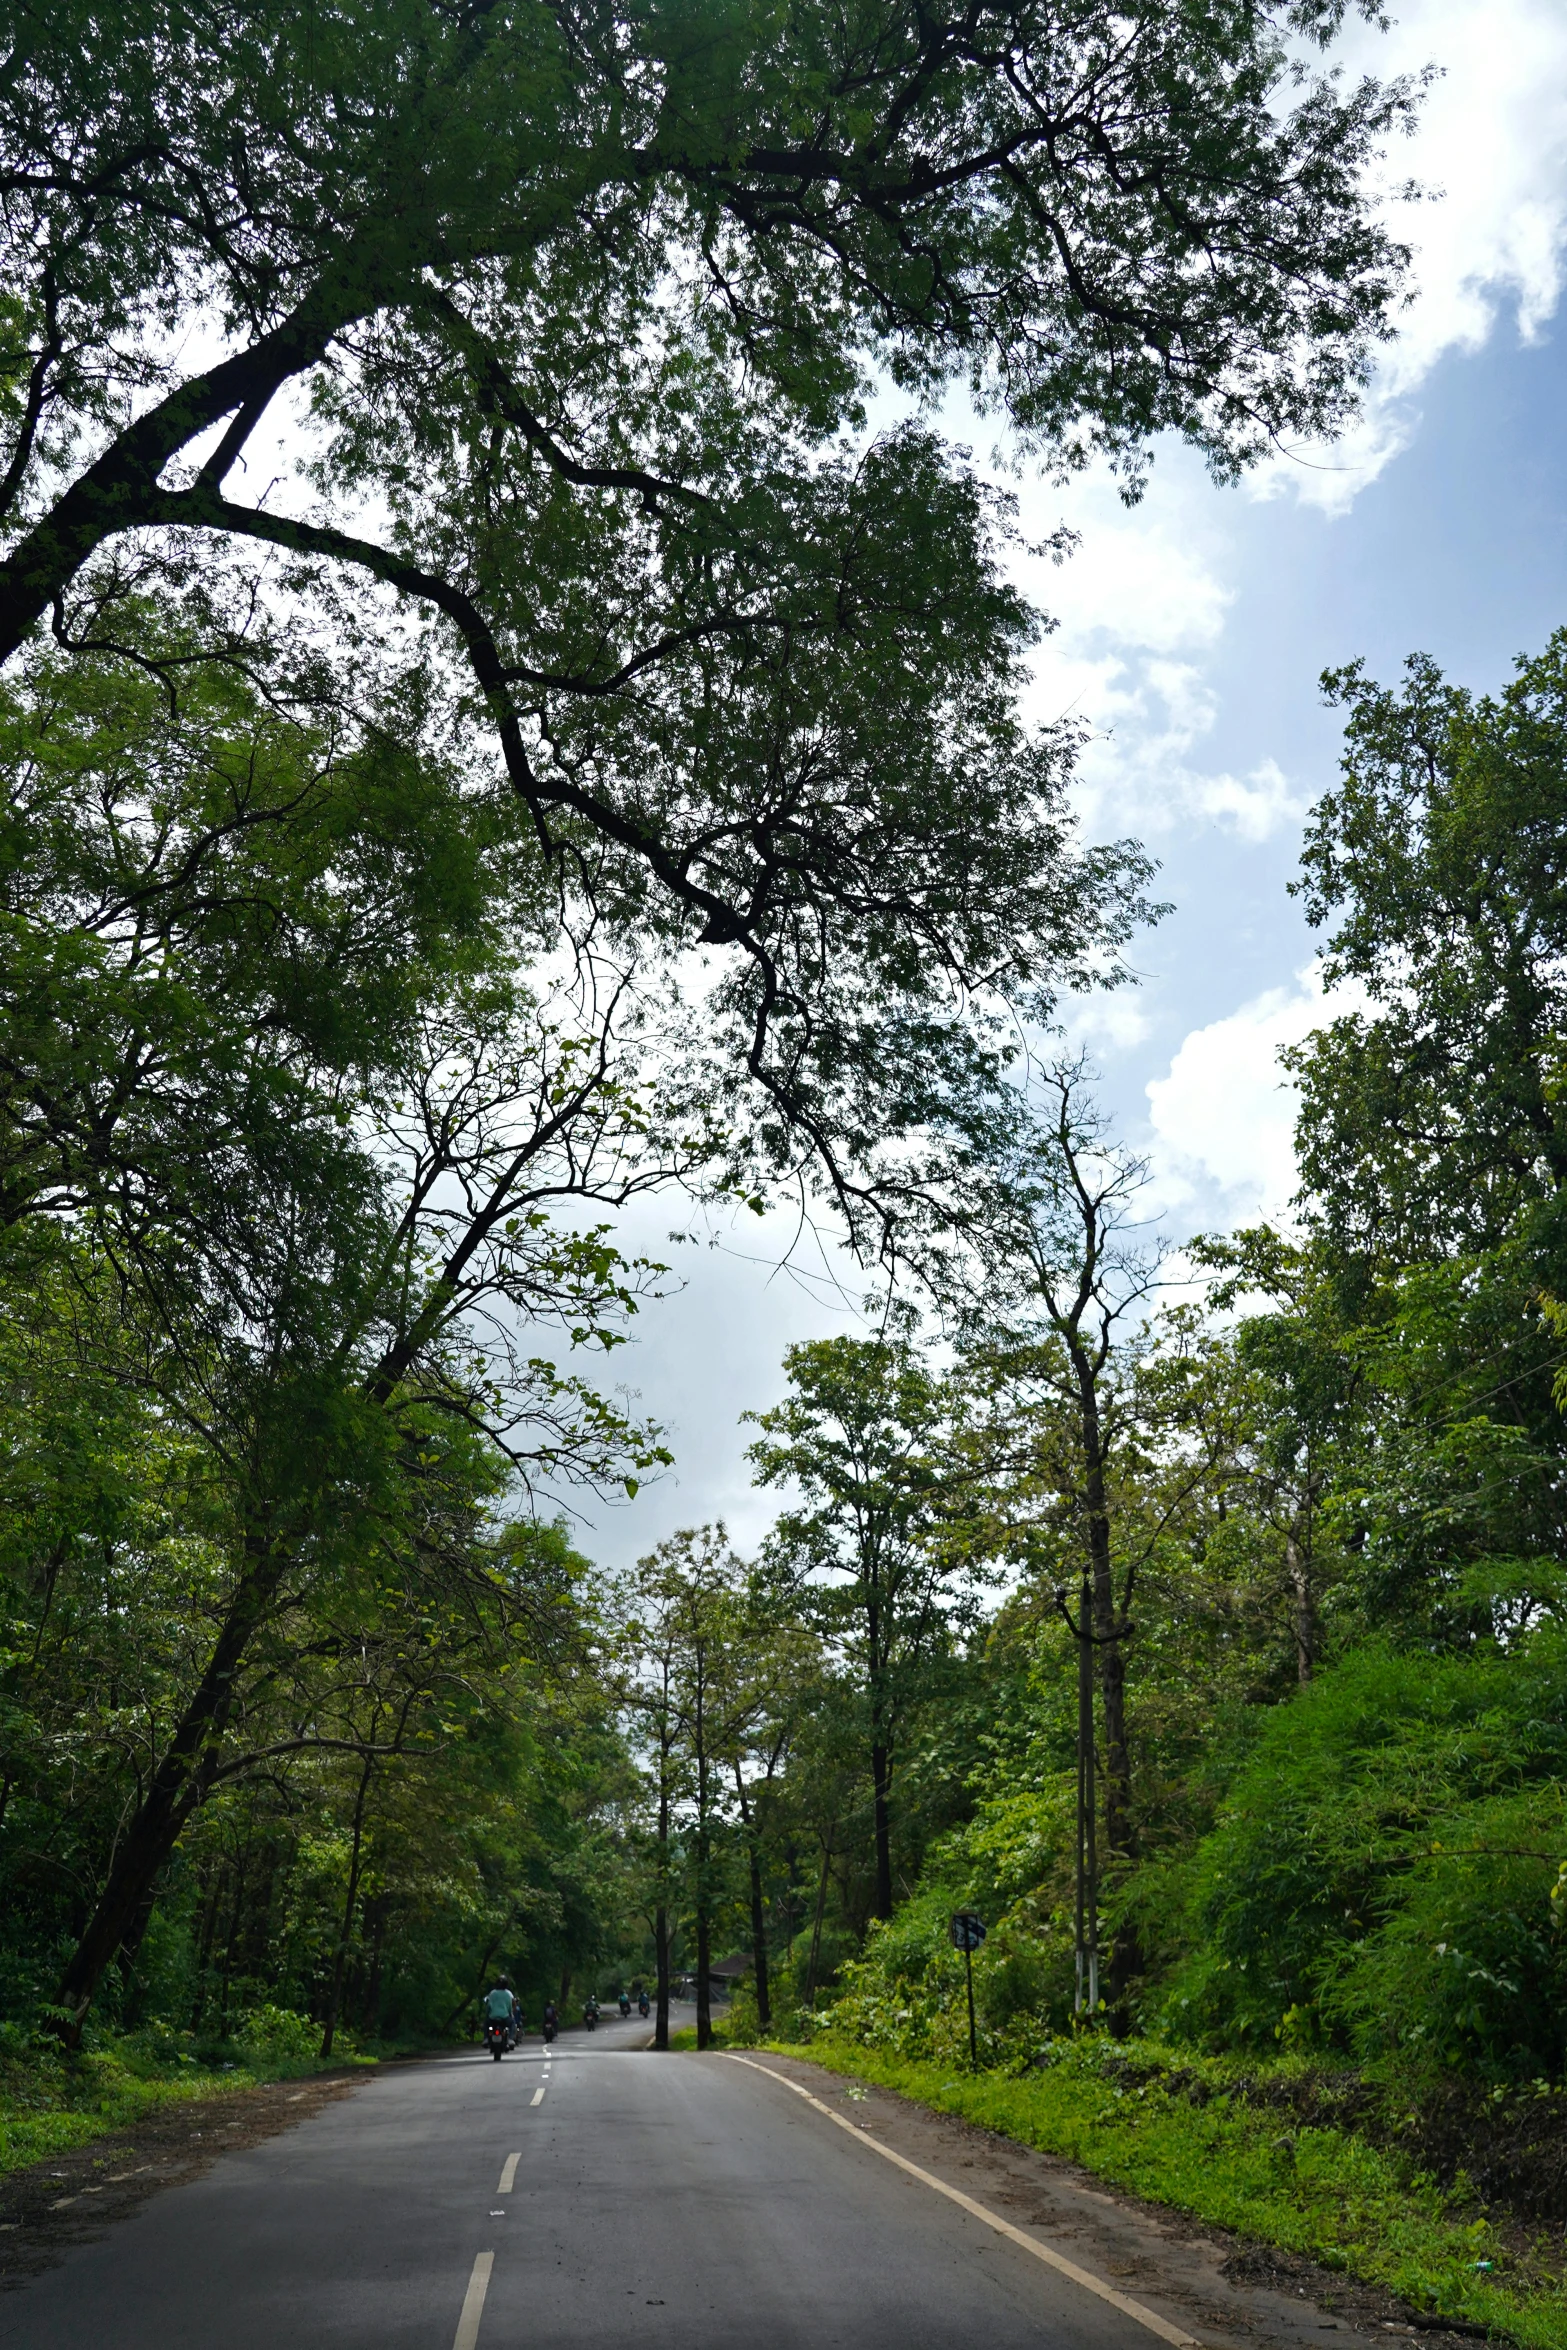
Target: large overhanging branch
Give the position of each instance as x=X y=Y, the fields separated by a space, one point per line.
x=120 y=490
x=723 y=923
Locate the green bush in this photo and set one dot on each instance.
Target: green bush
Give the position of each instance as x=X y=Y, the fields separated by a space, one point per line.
x=907 y=1992
x=1381 y=1876
x=281 y=2036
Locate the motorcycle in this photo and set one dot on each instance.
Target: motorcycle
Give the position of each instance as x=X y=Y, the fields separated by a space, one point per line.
x=549 y=2029
x=497 y=2036
x=642 y=2005
x=625 y=2007
x=590 y=2016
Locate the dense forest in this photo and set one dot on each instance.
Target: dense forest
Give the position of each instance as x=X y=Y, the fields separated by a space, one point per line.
x=1196 y=1620
x=490 y=734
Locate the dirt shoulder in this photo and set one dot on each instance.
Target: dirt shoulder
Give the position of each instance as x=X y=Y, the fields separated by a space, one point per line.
x=1215 y=2285
x=69 y=2198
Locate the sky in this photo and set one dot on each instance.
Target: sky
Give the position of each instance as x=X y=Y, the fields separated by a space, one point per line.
x=1191 y=633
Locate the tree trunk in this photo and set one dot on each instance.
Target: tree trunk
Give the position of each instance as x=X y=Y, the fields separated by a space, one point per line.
x=1304 y=1611
x=661 y=1991
x=1087 y=1954
x=816 y=1929
x=881 y=1780
x=1109 y=1632
x=177 y=1786
x=704 y=1987
x=764 y=2010
x=661 y=1911
x=704 y=1952
x=351 y=1903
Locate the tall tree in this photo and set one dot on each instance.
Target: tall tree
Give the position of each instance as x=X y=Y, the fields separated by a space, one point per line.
x=647 y=1638
x=1432 y=1118
x=1064 y=1268
x=332 y=1342
x=859 y=1437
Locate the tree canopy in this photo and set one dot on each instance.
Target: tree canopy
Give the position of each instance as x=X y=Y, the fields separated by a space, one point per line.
x=569 y=324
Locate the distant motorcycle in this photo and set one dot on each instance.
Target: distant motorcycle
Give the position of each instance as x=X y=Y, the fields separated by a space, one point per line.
x=549 y=2029
x=590 y=2016
x=625 y=2005
x=642 y=2005
x=497 y=2037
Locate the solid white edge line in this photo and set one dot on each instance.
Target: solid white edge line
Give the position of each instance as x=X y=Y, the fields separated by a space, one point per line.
x=473 y=2302
x=509 y=2175
x=538 y=2095
x=1003 y=2227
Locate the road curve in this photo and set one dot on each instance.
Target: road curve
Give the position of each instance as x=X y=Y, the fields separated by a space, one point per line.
x=683 y=2203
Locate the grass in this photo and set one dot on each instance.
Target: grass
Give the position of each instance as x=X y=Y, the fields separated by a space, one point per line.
x=51 y=2101
x=1325 y=2192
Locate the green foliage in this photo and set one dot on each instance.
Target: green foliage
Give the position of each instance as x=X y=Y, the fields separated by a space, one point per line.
x=1432 y=1120
x=1381 y=1874
x=50 y=2102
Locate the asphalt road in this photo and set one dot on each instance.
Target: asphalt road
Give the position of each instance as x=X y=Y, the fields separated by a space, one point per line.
x=681 y=2202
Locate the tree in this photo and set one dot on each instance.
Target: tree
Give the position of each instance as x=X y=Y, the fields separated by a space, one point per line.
x=1431 y=1134
x=223 y=903
x=1065 y=1271
x=320 y=1340
x=1433 y=1118
x=859 y=1436
x=699 y=1684
x=779 y=1676
x=1278 y=1406
x=647 y=1630
x=585 y=311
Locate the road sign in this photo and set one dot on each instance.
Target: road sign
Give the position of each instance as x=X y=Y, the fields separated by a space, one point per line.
x=967 y=1930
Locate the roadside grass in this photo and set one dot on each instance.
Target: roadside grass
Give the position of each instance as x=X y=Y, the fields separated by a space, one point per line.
x=1324 y=2192
x=51 y=2101
x=686 y=2039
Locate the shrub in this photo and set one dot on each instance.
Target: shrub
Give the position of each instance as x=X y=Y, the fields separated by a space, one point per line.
x=280 y=2035
x=1381 y=1876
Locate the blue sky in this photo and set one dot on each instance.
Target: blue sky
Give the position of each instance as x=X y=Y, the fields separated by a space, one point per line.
x=1192 y=631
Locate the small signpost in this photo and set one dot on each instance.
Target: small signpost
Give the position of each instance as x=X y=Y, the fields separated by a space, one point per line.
x=968 y=1932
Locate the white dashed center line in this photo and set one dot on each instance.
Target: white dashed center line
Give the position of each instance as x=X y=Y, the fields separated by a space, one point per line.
x=509 y=2175
x=473 y=2302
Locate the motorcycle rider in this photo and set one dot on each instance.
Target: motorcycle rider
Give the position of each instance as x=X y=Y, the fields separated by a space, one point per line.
x=625 y=2004
x=590 y=2011
x=499 y=2004
x=551 y=2019
x=642 y=2003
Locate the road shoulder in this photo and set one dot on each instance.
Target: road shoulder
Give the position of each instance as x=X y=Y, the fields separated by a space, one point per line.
x=68 y=2199
x=1213 y=2284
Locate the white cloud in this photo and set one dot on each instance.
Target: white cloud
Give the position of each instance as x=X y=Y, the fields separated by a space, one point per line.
x=1256 y=805
x=1139 y=771
x=1224 y=1114
x=1141 y=602
x=1492 y=146
x=1116 y=1021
